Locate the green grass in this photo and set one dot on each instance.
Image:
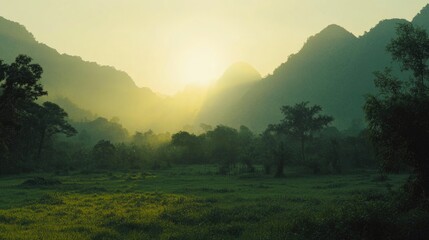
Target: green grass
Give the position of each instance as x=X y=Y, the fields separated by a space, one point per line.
x=178 y=203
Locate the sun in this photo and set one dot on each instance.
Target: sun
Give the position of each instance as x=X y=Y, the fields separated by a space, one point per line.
x=201 y=65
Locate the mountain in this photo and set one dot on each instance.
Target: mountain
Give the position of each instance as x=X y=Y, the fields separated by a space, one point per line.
x=236 y=75
x=333 y=69
x=102 y=90
x=422 y=19
x=223 y=96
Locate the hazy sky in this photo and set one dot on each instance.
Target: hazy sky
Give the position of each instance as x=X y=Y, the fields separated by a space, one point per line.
x=168 y=44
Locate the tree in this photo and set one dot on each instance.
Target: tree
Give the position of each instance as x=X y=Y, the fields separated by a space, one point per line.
x=51 y=120
x=225 y=149
x=398 y=116
x=129 y=156
x=104 y=154
x=190 y=146
x=301 y=122
x=247 y=151
x=19 y=88
x=183 y=139
x=276 y=150
x=411 y=48
x=20 y=82
x=19 y=85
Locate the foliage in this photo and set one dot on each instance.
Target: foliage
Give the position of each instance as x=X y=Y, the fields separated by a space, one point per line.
x=191 y=147
x=104 y=154
x=20 y=82
x=91 y=131
x=301 y=122
x=19 y=87
x=275 y=151
x=248 y=147
x=26 y=126
x=224 y=147
x=398 y=116
x=50 y=119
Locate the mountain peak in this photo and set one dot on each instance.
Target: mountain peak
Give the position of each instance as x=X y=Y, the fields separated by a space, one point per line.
x=330 y=38
x=238 y=73
x=240 y=67
x=422 y=18
x=383 y=28
x=335 y=30
x=332 y=32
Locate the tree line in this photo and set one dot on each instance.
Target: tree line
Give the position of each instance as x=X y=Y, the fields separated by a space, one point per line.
x=37 y=136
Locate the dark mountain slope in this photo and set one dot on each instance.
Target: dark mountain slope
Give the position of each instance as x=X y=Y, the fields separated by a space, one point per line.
x=422 y=18
x=102 y=90
x=333 y=69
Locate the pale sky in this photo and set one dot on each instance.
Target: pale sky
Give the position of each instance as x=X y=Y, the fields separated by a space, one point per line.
x=168 y=44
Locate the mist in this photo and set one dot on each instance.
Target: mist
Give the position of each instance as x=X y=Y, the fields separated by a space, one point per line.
x=220 y=121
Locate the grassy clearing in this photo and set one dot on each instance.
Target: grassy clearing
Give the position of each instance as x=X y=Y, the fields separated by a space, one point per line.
x=179 y=203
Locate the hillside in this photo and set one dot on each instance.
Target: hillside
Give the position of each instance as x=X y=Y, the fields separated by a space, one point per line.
x=102 y=90
x=221 y=101
x=334 y=69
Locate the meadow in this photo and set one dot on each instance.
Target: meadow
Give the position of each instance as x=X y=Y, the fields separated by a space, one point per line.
x=193 y=202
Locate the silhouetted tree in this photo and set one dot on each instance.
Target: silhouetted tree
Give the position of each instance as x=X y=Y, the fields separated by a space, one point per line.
x=398 y=116
x=191 y=146
x=411 y=48
x=276 y=150
x=183 y=139
x=20 y=82
x=301 y=121
x=225 y=150
x=104 y=154
x=51 y=120
x=19 y=88
x=247 y=152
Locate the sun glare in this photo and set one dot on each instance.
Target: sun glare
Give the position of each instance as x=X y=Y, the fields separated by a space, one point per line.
x=200 y=65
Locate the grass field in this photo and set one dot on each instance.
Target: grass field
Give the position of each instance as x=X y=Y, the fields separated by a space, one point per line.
x=183 y=203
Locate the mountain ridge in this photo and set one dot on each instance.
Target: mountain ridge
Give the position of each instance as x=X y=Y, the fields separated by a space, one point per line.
x=334 y=69
x=422 y=18
x=103 y=90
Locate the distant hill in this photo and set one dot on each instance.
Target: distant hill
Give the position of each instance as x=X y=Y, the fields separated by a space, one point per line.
x=334 y=69
x=102 y=90
x=224 y=95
